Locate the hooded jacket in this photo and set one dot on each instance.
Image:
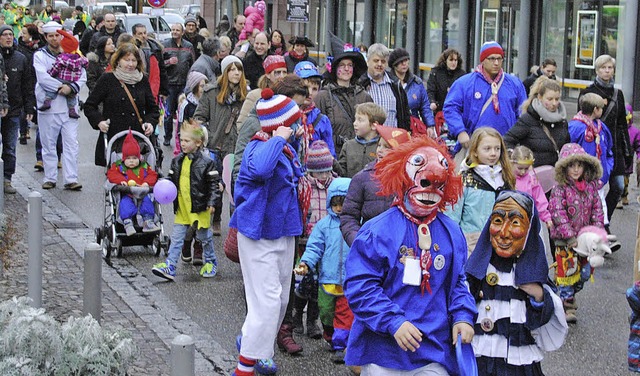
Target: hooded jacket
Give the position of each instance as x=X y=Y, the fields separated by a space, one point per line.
x=326 y=250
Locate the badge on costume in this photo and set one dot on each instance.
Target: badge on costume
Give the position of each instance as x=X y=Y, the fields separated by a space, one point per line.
x=412 y=273
x=492 y=279
x=486 y=324
x=477 y=95
x=439 y=262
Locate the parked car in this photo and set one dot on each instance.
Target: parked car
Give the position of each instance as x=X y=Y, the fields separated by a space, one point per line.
x=59 y=4
x=190 y=9
x=172 y=18
x=112 y=6
x=157 y=28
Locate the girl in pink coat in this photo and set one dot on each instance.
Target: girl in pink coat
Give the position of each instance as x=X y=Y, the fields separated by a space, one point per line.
x=574 y=203
x=526 y=181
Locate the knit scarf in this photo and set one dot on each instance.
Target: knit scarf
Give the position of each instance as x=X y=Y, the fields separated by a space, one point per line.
x=307 y=137
x=602 y=83
x=231 y=98
x=592 y=133
x=494 y=86
x=550 y=117
x=296 y=55
x=263 y=136
x=129 y=78
x=276 y=48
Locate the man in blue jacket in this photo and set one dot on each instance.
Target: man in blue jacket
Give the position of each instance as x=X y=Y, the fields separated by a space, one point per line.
x=488 y=96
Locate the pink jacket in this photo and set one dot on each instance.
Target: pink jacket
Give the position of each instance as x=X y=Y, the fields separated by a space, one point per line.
x=572 y=209
x=529 y=184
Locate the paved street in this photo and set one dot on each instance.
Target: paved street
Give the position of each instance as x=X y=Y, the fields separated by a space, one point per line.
x=212 y=310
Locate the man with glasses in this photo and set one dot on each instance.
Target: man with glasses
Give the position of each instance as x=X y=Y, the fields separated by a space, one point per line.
x=488 y=96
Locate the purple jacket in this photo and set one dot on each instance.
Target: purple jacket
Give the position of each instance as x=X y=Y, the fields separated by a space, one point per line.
x=68 y=67
x=634 y=138
x=362 y=203
x=572 y=209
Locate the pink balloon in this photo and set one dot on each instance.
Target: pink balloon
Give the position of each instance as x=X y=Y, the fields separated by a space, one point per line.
x=165 y=191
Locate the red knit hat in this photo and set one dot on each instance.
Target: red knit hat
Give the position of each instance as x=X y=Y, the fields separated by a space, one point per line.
x=276 y=110
x=130 y=147
x=490 y=48
x=69 y=43
x=273 y=62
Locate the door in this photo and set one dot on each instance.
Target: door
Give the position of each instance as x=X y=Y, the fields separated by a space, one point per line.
x=500 y=22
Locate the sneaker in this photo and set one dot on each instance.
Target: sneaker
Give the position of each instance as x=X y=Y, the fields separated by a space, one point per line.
x=338 y=357
x=165 y=271
x=615 y=245
x=75 y=186
x=23 y=140
x=619 y=205
x=266 y=367
x=59 y=165
x=186 y=251
x=209 y=270
x=625 y=201
x=570 y=316
x=197 y=253
x=48 y=185
x=150 y=226
x=128 y=227
x=8 y=188
x=73 y=114
x=215 y=228
x=39 y=166
x=313 y=330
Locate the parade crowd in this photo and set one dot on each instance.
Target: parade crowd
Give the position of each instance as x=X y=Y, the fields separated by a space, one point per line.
x=372 y=209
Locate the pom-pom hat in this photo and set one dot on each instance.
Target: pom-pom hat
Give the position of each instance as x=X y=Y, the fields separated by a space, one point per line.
x=69 y=43
x=276 y=110
x=130 y=147
x=319 y=158
x=273 y=62
x=490 y=48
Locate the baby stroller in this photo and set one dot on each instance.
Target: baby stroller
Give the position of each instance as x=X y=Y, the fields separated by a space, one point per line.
x=111 y=235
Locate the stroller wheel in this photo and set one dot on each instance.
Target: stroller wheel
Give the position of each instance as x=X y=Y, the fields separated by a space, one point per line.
x=106 y=248
x=156 y=246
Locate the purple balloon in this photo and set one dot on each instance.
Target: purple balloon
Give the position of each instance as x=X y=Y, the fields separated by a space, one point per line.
x=165 y=191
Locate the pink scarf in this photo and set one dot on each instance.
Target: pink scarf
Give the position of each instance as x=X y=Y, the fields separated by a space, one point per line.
x=592 y=133
x=494 y=86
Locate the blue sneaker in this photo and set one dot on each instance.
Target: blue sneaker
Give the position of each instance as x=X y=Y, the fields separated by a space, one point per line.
x=263 y=366
x=165 y=271
x=209 y=270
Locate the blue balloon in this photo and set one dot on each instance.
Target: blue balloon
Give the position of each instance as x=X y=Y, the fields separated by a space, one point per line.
x=165 y=191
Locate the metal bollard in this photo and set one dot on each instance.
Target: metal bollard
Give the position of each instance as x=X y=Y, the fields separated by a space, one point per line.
x=2 y=190
x=183 y=353
x=35 y=249
x=92 y=295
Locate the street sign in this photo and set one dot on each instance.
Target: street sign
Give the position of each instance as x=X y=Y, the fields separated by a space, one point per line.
x=298 y=10
x=156 y=3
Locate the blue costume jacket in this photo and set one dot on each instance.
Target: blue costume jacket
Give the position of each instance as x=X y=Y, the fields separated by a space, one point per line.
x=469 y=93
x=266 y=194
x=322 y=130
x=576 y=131
x=381 y=303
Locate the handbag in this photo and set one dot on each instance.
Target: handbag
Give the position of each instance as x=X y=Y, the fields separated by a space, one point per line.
x=231 y=245
x=133 y=103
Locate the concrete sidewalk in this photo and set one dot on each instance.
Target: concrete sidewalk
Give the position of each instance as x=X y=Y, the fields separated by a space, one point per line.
x=129 y=301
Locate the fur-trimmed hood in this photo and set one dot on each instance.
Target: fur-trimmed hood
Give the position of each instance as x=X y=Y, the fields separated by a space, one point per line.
x=92 y=56
x=575 y=153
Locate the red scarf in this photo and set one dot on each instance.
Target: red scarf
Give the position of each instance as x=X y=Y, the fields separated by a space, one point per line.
x=307 y=137
x=592 y=133
x=297 y=56
x=494 y=86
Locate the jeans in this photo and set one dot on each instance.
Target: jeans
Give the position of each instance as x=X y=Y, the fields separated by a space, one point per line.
x=177 y=240
x=170 y=110
x=616 y=185
x=39 y=146
x=10 y=128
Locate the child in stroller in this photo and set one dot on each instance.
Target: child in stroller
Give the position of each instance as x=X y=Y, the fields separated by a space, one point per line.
x=130 y=171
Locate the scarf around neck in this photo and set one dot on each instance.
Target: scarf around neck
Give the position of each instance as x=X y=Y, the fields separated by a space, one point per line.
x=592 y=133
x=550 y=117
x=609 y=84
x=494 y=85
x=129 y=78
x=491 y=174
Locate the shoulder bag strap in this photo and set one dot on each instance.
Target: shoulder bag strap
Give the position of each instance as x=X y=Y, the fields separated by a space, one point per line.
x=612 y=103
x=546 y=131
x=235 y=112
x=133 y=103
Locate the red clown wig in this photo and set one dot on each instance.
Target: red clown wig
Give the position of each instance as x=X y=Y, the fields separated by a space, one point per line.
x=393 y=180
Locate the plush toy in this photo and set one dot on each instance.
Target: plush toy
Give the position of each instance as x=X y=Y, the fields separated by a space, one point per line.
x=255 y=19
x=593 y=243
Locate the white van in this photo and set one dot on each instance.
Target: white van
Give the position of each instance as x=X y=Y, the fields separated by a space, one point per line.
x=113 y=7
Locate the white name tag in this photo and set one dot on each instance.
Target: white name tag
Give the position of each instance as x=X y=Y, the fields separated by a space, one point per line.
x=412 y=272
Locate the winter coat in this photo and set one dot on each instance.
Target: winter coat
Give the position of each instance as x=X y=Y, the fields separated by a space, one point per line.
x=571 y=209
x=207 y=66
x=467 y=96
x=616 y=121
x=266 y=194
x=326 y=251
x=321 y=129
x=418 y=99
x=196 y=41
x=356 y=154
x=362 y=203
x=119 y=173
x=577 y=130
x=250 y=126
x=117 y=107
x=439 y=83
x=529 y=184
x=339 y=104
x=159 y=79
x=177 y=73
x=253 y=68
x=96 y=68
x=528 y=132
x=317 y=203
x=403 y=113
x=43 y=59
x=633 y=298
x=20 y=83
x=103 y=33
x=220 y=119
x=69 y=67
x=204 y=180
x=292 y=61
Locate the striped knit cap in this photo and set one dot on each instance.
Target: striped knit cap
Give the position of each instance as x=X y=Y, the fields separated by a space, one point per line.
x=319 y=158
x=276 y=110
x=490 y=48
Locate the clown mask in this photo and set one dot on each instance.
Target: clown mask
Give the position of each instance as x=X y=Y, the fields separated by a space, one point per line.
x=508 y=228
x=428 y=170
